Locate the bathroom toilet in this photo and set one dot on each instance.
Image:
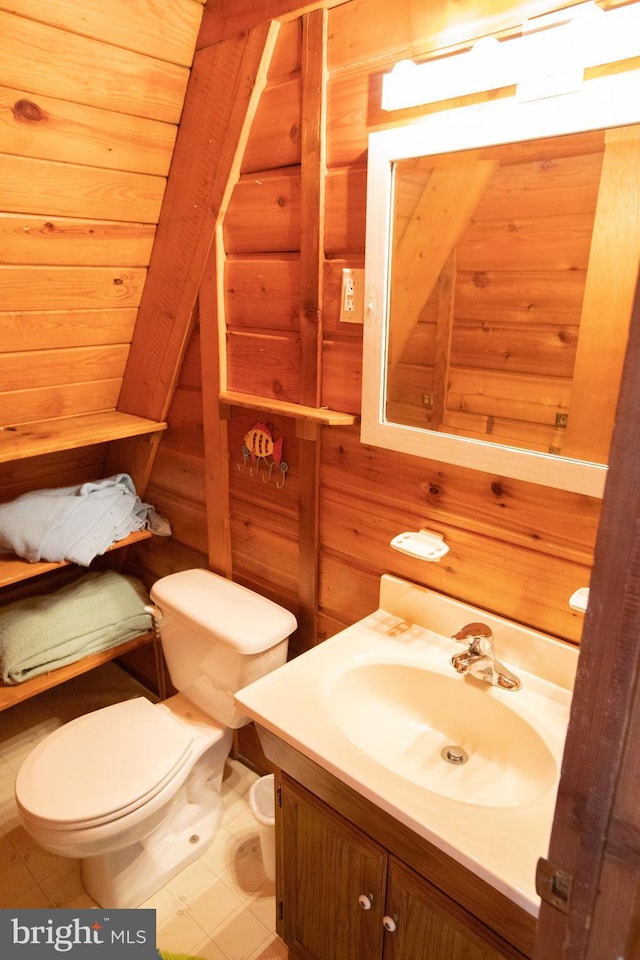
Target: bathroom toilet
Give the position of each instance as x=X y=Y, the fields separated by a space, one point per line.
x=134 y=789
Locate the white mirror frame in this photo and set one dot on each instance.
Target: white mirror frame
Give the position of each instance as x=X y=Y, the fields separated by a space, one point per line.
x=604 y=102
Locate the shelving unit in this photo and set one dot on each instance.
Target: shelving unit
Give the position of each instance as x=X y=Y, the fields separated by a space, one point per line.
x=37 y=439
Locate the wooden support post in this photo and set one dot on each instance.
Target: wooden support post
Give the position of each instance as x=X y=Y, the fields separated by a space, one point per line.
x=314 y=82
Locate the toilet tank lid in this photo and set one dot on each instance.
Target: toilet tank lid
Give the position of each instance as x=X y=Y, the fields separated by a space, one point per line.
x=234 y=615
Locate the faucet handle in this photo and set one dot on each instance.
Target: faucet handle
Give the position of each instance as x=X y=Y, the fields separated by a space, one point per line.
x=473 y=631
x=478 y=636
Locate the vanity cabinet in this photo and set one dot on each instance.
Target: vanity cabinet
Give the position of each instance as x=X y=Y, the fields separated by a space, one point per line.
x=344 y=896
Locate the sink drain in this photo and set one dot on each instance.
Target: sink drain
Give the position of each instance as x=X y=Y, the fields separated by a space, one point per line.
x=454 y=754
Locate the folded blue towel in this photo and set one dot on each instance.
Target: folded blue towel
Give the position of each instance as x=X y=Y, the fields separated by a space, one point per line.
x=74 y=523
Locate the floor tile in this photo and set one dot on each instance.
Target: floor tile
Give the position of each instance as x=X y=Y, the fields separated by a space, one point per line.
x=221 y=907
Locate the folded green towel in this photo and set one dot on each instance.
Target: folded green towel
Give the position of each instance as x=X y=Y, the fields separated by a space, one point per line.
x=98 y=611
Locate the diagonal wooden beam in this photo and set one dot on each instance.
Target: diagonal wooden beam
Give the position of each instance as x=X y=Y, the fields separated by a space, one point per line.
x=225 y=84
x=441 y=216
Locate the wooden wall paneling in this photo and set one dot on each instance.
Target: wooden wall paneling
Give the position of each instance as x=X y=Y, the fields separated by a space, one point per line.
x=29 y=185
x=133 y=455
x=165 y=30
x=595 y=827
x=286 y=57
x=348 y=103
x=263 y=293
x=160 y=556
x=276 y=193
x=552 y=522
x=275 y=134
x=346 y=203
x=60 y=400
x=52 y=329
x=73 y=364
x=184 y=514
x=56 y=61
x=225 y=18
x=54 y=470
x=486 y=568
x=342 y=375
x=348 y=592
x=185 y=418
x=69 y=288
x=56 y=241
x=206 y=160
x=53 y=128
x=264 y=365
x=179 y=468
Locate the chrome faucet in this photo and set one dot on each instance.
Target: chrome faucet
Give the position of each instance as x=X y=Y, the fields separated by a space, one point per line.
x=479 y=661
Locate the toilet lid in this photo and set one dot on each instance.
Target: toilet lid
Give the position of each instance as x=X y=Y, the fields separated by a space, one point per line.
x=102 y=765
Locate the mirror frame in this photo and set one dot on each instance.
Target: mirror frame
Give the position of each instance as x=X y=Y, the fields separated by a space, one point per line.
x=601 y=103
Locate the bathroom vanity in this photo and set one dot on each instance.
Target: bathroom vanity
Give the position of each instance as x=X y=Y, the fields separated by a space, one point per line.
x=353 y=882
x=389 y=845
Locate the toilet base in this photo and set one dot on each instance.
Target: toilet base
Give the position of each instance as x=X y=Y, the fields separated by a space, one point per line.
x=126 y=878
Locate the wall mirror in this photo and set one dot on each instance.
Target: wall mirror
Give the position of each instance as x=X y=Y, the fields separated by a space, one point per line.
x=502 y=256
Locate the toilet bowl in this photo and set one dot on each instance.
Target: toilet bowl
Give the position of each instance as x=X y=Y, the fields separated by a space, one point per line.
x=134 y=789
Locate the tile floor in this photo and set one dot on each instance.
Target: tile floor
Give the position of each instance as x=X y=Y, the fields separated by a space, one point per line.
x=222 y=907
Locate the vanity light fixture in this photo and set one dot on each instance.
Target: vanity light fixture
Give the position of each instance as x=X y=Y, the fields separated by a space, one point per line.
x=547 y=60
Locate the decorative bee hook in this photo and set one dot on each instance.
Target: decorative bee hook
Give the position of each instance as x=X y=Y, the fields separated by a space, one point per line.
x=258 y=448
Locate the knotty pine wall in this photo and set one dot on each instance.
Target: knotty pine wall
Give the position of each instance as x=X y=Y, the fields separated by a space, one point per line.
x=91 y=94
x=515 y=548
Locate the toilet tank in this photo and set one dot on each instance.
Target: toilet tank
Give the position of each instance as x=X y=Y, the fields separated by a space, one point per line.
x=217 y=637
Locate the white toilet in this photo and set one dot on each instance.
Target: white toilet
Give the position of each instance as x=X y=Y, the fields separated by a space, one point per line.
x=134 y=789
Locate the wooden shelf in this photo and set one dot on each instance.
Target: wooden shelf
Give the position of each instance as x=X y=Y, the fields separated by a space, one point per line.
x=13 y=569
x=10 y=695
x=321 y=415
x=48 y=436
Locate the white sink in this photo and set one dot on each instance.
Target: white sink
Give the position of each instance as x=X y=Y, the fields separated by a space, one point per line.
x=377 y=704
x=443 y=734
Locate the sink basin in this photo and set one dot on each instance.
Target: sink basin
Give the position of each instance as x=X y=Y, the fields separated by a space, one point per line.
x=449 y=735
x=377 y=704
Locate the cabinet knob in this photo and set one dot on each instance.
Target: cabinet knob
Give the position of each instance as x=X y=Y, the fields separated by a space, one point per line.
x=389 y=923
x=365 y=900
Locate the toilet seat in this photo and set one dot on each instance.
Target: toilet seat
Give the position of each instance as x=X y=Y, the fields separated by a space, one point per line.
x=102 y=766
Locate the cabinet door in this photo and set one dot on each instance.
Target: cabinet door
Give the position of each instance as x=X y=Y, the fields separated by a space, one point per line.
x=328 y=867
x=429 y=926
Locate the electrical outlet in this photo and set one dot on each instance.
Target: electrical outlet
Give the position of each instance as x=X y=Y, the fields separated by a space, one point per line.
x=352 y=296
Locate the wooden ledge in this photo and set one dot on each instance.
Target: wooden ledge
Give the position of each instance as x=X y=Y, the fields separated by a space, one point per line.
x=49 y=436
x=10 y=695
x=321 y=415
x=13 y=569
